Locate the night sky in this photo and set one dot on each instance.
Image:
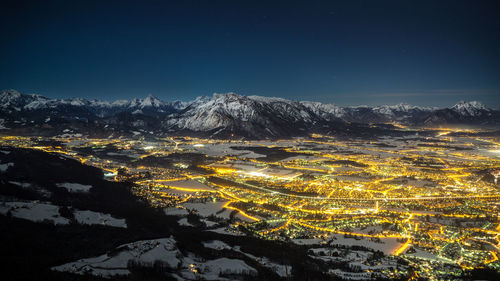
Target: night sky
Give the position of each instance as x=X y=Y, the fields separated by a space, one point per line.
x=347 y=52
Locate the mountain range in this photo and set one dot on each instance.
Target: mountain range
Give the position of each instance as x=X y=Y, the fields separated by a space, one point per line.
x=220 y=116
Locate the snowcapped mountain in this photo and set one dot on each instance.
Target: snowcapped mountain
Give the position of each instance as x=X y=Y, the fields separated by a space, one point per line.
x=328 y=111
x=365 y=114
x=463 y=112
x=12 y=100
x=472 y=108
x=401 y=108
x=223 y=115
x=227 y=114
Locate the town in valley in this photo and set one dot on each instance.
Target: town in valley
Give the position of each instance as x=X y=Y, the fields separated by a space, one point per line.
x=426 y=200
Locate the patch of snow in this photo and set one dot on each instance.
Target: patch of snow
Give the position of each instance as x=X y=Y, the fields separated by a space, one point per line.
x=206 y=209
x=146 y=251
x=28 y=185
x=5 y=167
x=36 y=212
x=212 y=268
x=175 y=211
x=227 y=231
x=75 y=187
x=387 y=245
x=90 y=217
x=184 y=222
x=217 y=245
x=311 y=241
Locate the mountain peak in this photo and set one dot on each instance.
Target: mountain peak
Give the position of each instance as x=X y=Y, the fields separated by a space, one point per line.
x=475 y=104
x=151 y=97
x=9 y=94
x=471 y=108
x=229 y=95
x=151 y=101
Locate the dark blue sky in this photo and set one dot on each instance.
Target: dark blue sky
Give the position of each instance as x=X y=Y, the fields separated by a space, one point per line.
x=346 y=52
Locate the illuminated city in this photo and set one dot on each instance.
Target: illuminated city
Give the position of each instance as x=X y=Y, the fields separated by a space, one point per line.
x=428 y=197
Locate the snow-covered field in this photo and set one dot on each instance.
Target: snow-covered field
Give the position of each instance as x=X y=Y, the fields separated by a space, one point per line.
x=422 y=254
x=108 y=265
x=227 y=231
x=39 y=212
x=75 y=187
x=208 y=208
x=212 y=268
x=173 y=211
x=36 y=212
x=184 y=222
x=387 y=245
x=214 y=208
x=4 y=167
x=148 y=252
x=281 y=270
x=27 y=185
x=216 y=245
x=90 y=217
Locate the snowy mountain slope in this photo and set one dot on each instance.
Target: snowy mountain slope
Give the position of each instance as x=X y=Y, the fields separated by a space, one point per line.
x=328 y=111
x=366 y=114
x=472 y=108
x=464 y=113
x=12 y=100
x=223 y=115
x=247 y=116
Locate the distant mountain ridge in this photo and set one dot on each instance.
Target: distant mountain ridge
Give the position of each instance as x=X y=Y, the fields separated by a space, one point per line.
x=12 y=100
x=223 y=115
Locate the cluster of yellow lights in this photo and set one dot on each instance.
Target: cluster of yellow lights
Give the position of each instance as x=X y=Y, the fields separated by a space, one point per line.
x=377 y=191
